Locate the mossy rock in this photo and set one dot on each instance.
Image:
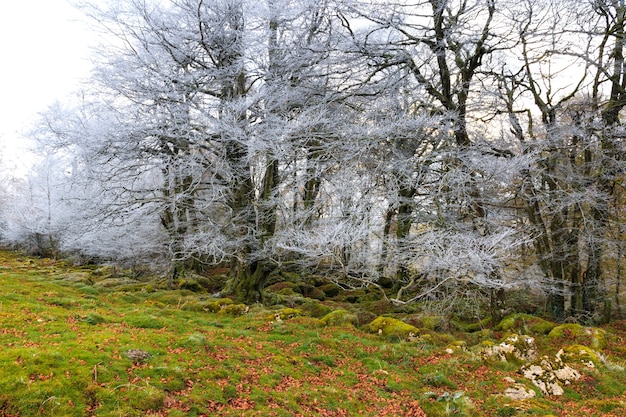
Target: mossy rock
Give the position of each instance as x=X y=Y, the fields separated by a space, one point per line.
x=330 y=290
x=457 y=345
x=104 y=271
x=190 y=283
x=593 y=337
x=193 y=305
x=234 y=309
x=216 y=305
x=359 y=295
x=525 y=323
x=121 y=283
x=165 y=298
x=285 y=314
x=391 y=327
x=76 y=278
x=338 y=317
x=316 y=294
x=315 y=308
x=582 y=355
x=432 y=322
x=284 y=288
x=472 y=327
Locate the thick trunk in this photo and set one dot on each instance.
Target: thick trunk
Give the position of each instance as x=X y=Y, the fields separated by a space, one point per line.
x=248 y=280
x=403 y=229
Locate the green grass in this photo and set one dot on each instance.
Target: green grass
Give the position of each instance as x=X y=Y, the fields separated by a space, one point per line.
x=63 y=340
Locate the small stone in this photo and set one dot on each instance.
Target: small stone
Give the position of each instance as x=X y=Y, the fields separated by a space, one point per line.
x=518 y=392
x=137 y=355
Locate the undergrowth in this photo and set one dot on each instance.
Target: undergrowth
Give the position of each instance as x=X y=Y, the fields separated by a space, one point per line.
x=65 y=342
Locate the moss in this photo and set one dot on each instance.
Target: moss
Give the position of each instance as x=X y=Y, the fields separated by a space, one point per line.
x=285 y=314
x=93 y=319
x=598 y=339
x=472 y=327
x=314 y=308
x=330 y=290
x=512 y=348
x=217 y=305
x=610 y=386
x=582 y=355
x=389 y=326
x=589 y=336
x=145 y=321
x=456 y=345
x=608 y=406
x=234 y=309
x=338 y=317
x=191 y=284
x=525 y=323
x=316 y=294
x=284 y=288
x=438 y=380
x=147 y=399
x=432 y=322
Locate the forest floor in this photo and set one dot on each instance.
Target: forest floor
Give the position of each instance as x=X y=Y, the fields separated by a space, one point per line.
x=74 y=344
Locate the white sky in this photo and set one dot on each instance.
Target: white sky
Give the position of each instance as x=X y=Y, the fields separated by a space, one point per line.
x=44 y=48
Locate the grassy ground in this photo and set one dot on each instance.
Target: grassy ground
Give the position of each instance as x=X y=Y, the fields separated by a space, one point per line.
x=65 y=337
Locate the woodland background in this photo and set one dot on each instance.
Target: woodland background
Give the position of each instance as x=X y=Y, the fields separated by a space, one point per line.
x=447 y=151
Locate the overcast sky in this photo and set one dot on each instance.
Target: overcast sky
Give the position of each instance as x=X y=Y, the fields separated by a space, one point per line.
x=44 y=54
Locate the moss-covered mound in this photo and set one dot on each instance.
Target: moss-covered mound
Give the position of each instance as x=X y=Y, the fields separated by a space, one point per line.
x=285 y=314
x=525 y=323
x=389 y=326
x=593 y=337
x=582 y=355
x=338 y=317
x=472 y=327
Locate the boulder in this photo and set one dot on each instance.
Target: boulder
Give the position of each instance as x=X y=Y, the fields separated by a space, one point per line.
x=519 y=392
x=457 y=345
x=549 y=375
x=593 y=337
x=525 y=323
x=338 y=317
x=388 y=326
x=580 y=354
x=513 y=348
x=285 y=314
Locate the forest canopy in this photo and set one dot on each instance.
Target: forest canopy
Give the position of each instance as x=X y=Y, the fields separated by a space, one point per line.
x=442 y=149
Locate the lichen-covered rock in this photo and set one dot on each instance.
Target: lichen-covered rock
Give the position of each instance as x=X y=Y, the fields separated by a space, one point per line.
x=338 y=317
x=582 y=355
x=525 y=323
x=518 y=392
x=285 y=314
x=137 y=355
x=593 y=337
x=388 y=326
x=550 y=374
x=513 y=348
x=457 y=345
